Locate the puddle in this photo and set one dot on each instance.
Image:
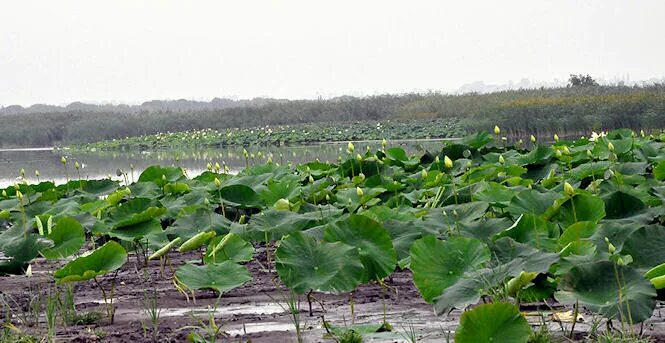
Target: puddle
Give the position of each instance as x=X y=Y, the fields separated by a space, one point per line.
x=258 y=309
x=260 y=327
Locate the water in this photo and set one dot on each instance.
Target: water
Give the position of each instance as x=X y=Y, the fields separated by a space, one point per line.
x=97 y=165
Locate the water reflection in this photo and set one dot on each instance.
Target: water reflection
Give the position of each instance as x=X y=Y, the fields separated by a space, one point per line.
x=95 y=165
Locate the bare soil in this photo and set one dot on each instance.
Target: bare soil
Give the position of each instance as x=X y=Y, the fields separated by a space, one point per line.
x=255 y=312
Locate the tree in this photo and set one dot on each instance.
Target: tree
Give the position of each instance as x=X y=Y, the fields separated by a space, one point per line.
x=576 y=80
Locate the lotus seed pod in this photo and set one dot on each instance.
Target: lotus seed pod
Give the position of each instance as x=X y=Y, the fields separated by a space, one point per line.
x=568 y=189
x=447 y=162
x=282 y=205
x=556 y=138
x=610 y=146
x=350 y=148
x=501 y=159
x=218 y=183
x=497 y=130
x=359 y=192
x=533 y=139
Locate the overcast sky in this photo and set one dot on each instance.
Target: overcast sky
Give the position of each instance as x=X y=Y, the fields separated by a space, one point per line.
x=57 y=52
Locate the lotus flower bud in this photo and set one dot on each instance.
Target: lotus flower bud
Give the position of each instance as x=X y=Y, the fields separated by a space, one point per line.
x=163 y=177
x=610 y=146
x=447 y=162
x=282 y=205
x=520 y=142
x=611 y=248
x=243 y=219
x=37 y=173
x=311 y=179
x=497 y=130
x=533 y=139
x=63 y=160
x=28 y=271
x=209 y=166
x=642 y=133
x=359 y=158
x=501 y=159
x=566 y=150
x=269 y=160
x=504 y=139
x=77 y=166
x=568 y=189
x=226 y=169
x=350 y=148
x=327 y=197
x=361 y=176
x=384 y=143
x=4 y=193
x=359 y=191
x=423 y=173
x=437 y=160
x=558 y=153
x=19 y=195
x=556 y=138
x=218 y=183
x=22 y=172
x=217 y=167
x=245 y=153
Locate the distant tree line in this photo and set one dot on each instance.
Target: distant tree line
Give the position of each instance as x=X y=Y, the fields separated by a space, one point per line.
x=576 y=108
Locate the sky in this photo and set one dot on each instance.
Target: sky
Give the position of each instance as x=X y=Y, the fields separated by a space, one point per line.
x=57 y=52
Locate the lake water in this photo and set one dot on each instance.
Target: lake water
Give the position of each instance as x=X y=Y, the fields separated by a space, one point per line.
x=96 y=165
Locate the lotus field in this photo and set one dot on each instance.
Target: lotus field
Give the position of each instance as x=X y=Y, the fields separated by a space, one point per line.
x=498 y=232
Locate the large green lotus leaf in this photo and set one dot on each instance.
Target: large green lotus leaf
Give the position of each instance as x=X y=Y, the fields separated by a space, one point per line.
x=104 y=259
x=373 y=242
x=276 y=224
x=586 y=170
x=538 y=156
x=659 y=171
x=138 y=231
x=531 y=201
x=620 y=205
x=233 y=249
x=304 y=264
x=493 y=323
x=477 y=140
x=581 y=207
x=176 y=204
x=96 y=188
x=17 y=249
x=240 y=196
x=614 y=231
x=136 y=211
x=68 y=238
x=221 y=277
x=467 y=212
x=494 y=193
x=595 y=286
x=437 y=264
x=576 y=232
x=199 y=220
x=286 y=188
x=506 y=250
x=646 y=246
x=534 y=230
x=161 y=175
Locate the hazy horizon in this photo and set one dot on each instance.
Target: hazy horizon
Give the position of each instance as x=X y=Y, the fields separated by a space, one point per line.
x=129 y=52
